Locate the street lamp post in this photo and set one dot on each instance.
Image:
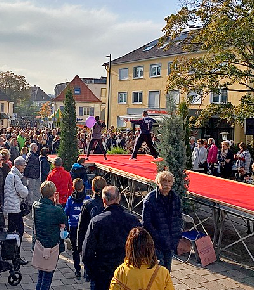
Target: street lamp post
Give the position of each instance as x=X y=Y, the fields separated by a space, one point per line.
x=109 y=89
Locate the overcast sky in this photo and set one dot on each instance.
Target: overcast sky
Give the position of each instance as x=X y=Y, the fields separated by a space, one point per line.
x=51 y=41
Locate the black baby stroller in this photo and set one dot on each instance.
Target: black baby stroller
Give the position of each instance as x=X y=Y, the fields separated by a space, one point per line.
x=9 y=259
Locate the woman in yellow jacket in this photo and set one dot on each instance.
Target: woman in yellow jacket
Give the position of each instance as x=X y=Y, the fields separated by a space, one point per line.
x=140 y=270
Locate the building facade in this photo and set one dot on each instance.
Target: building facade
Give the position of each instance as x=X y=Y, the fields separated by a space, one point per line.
x=139 y=80
x=87 y=104
x=6 y=110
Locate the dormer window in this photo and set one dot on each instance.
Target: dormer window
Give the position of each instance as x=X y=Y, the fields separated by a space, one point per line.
x=77 y=91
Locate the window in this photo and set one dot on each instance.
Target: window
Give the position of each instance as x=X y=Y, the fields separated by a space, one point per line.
x=77 y=91
x=123 y=74
x=138 y=72
x=91 y=111
x=120 y=122
x=220 y=97
x=194 y=98
x=155 y=70
x=84 y=111
x=173 y=94
x=80 y=111
x=2 y=107
x=122 y=98
x=169 y=67
x=154 y=99
x=137 y=97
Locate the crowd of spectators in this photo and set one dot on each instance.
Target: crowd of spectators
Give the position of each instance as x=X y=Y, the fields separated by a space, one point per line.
x=26 y=175
x=228 y=161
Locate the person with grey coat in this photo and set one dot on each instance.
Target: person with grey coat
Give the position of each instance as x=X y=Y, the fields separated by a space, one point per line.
x=14 y=192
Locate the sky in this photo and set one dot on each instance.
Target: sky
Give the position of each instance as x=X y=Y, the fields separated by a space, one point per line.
x=51 y=41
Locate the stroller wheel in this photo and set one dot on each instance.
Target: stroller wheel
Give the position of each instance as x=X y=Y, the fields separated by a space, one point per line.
x=14 y=278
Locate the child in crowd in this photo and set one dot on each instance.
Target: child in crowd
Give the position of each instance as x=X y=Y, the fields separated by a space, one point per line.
x=72 y=210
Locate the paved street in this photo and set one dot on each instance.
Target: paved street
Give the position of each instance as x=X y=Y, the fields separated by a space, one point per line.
x=218 y=276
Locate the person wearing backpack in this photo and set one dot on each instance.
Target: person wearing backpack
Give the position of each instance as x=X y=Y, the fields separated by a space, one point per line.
x=90 y=209
x=79 y=170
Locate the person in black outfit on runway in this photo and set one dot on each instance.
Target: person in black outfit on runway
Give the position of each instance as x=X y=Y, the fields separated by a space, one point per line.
x=146 y=124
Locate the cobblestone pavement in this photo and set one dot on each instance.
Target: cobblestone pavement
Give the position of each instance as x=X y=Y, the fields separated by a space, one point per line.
x=218 y=276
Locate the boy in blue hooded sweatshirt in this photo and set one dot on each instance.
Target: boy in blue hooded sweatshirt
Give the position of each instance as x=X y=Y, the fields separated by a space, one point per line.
x=72 y=210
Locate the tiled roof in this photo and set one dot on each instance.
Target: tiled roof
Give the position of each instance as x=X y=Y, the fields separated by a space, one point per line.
x=151 y=50
x=37 y=95
x=86 y=95
x=4 y=97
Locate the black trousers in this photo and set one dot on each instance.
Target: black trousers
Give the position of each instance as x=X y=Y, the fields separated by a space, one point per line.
x=91 y=145
x=75 y=253
x=144 y=138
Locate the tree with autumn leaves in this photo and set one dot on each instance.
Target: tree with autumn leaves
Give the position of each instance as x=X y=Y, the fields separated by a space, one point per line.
x=15 y=87
x=45 y=110
x=222 y=35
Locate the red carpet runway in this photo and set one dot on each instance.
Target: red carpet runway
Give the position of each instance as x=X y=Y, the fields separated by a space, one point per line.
x=223 y=191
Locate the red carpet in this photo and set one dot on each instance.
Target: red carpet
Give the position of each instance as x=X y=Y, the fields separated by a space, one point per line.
x=227 y=191
x=142 y=167
x=230 y=192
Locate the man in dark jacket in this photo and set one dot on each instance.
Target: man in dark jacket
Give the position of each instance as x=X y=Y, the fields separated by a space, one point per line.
x=104 y=245
x=96 y=137
x=91 y=208
x=146 y=125
x=32 y=173
x=162 y=218
x=79 y=170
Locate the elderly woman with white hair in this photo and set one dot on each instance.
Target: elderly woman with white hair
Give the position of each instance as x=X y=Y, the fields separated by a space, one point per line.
x=14 y=192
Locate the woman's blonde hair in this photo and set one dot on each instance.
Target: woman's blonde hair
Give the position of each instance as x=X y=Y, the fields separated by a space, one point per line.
x=48 y=189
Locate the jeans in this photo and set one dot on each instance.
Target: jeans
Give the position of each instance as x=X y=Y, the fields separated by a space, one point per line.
x=165 y=258
x=44 y=280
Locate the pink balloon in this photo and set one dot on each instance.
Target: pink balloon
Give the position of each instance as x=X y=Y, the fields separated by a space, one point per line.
x=90 y=121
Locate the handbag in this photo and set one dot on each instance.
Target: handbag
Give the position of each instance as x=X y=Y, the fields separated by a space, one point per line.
x=24 y=208
x=184 y=246
x=45 y=259
x=205 y=250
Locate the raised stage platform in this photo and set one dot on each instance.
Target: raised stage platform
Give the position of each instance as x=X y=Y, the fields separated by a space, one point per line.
x=227 y=199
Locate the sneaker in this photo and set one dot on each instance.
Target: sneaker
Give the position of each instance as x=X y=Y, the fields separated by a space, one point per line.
x=78 y=274
x=23 y=262
x=133 y=158
x=158 y=159
x=105 y=158
x=86 y=158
